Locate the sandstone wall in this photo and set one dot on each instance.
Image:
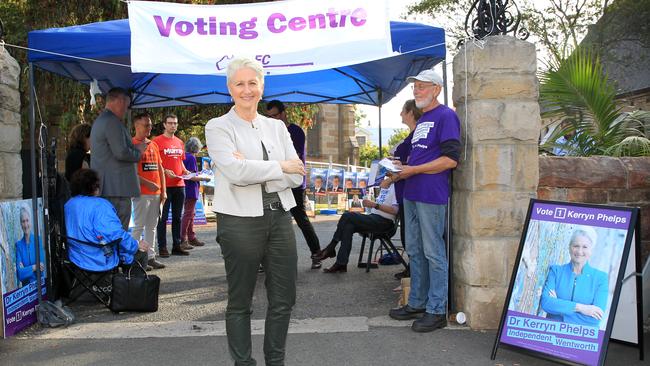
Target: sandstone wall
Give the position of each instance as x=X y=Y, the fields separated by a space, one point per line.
x=11 y=170
x=602 y=180
x=495 y=93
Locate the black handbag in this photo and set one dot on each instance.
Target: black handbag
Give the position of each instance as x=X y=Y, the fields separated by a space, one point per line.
x=135 y=293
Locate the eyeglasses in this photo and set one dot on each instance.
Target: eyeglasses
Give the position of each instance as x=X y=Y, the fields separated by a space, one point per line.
x=274 y=115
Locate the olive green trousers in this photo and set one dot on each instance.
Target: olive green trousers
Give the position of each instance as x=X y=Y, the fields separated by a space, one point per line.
x=245 y=243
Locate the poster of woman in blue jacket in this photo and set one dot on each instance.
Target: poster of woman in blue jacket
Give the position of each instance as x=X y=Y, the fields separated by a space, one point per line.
x=25 y=250
x=18 y=264
x=576 y=292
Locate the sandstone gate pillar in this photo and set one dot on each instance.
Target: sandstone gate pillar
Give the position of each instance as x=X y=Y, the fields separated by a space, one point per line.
x=11 y=171
x=496 y=96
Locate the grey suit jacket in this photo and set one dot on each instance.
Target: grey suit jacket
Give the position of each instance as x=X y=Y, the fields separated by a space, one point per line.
x=114 y=157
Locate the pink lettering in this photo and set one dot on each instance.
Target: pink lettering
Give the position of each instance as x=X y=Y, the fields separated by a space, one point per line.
x=296 y=24
x=184 y=28
x=166 y=28
x=271 y=23
x=358 y=17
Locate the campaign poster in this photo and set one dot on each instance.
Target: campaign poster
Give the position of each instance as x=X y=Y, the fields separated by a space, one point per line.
x=317 y=179
x=563 y=297
x=335 y=180
x=362 y=180
x=206 y=169
x=199 y=216
x=349 y=180
x=355 y=200
x=18 y=262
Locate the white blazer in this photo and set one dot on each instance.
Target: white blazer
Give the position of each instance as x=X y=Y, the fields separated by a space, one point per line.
x=237 y=187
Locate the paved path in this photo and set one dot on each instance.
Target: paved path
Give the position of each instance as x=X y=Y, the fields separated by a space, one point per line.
x=339 y=319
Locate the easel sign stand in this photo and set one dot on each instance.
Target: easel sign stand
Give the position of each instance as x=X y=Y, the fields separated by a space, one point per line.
x=576 y=283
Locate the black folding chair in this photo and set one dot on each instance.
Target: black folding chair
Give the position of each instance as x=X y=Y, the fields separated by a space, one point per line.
x=385 y=243
x=98 y=284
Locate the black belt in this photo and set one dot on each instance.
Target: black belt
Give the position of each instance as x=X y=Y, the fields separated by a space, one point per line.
x=274 y=206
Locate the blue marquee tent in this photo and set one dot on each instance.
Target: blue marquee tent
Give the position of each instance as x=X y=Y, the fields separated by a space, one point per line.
x=101 y=51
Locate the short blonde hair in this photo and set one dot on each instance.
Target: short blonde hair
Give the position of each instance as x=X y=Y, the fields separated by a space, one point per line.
x=242 y=62
x=584 y=231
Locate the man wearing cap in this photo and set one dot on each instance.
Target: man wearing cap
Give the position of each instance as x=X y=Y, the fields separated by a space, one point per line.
x=435 y=151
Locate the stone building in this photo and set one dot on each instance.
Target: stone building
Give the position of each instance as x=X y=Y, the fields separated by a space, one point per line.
x=622 y=40
x=333 y=135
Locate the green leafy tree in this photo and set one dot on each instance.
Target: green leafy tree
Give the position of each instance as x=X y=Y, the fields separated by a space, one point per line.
x=557 y=25
x=577 y=92
x=359 y=115
x=302 y=114
x=561 y=24
x=370 y=152
x=397 y=137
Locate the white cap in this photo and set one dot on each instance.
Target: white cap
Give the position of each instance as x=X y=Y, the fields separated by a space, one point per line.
x=428 y=76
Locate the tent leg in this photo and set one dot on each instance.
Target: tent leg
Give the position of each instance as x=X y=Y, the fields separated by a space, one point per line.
x=32 y=155
x=380 y=103
x=444 y=80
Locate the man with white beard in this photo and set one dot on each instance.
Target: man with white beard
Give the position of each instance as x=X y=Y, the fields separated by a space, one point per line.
x=435 y=150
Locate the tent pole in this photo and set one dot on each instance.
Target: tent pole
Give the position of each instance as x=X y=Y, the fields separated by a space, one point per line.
x=380 y=103
x=32 y=155
x=451 y=306
x=444 y=80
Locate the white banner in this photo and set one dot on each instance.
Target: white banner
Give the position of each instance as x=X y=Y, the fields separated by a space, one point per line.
x=285 y=36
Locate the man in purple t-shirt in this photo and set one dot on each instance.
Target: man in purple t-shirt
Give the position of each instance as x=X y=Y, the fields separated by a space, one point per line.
x=435 y=150
x=275 y=109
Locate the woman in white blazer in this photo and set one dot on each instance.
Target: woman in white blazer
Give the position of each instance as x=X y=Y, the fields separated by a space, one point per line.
x=255 y=168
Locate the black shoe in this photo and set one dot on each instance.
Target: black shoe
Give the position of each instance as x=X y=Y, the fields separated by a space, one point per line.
x=155 y=264
x=405 y=313
x=163 y=253
x=429 y=323
x=404 y=274
x=179 y=251
x=328 y=252
x=316 y=263
x=336 y=268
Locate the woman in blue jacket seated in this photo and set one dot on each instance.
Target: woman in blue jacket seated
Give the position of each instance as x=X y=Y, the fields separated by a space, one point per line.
x=576 y=292
x=93 y=219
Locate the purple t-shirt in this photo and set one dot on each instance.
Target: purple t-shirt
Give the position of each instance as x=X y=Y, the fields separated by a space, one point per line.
x=434 y=127
x=298 y=138
x=191 y=187
x=402 y=152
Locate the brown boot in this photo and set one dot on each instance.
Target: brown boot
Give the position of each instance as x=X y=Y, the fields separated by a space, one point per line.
x=196 y=242
x=186 y=246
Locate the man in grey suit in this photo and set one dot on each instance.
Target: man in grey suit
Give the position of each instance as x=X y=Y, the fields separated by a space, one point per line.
x=115 y=156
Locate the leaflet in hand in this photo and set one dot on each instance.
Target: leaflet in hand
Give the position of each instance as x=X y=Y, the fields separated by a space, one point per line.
x=388 y=164
x=192 y=175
